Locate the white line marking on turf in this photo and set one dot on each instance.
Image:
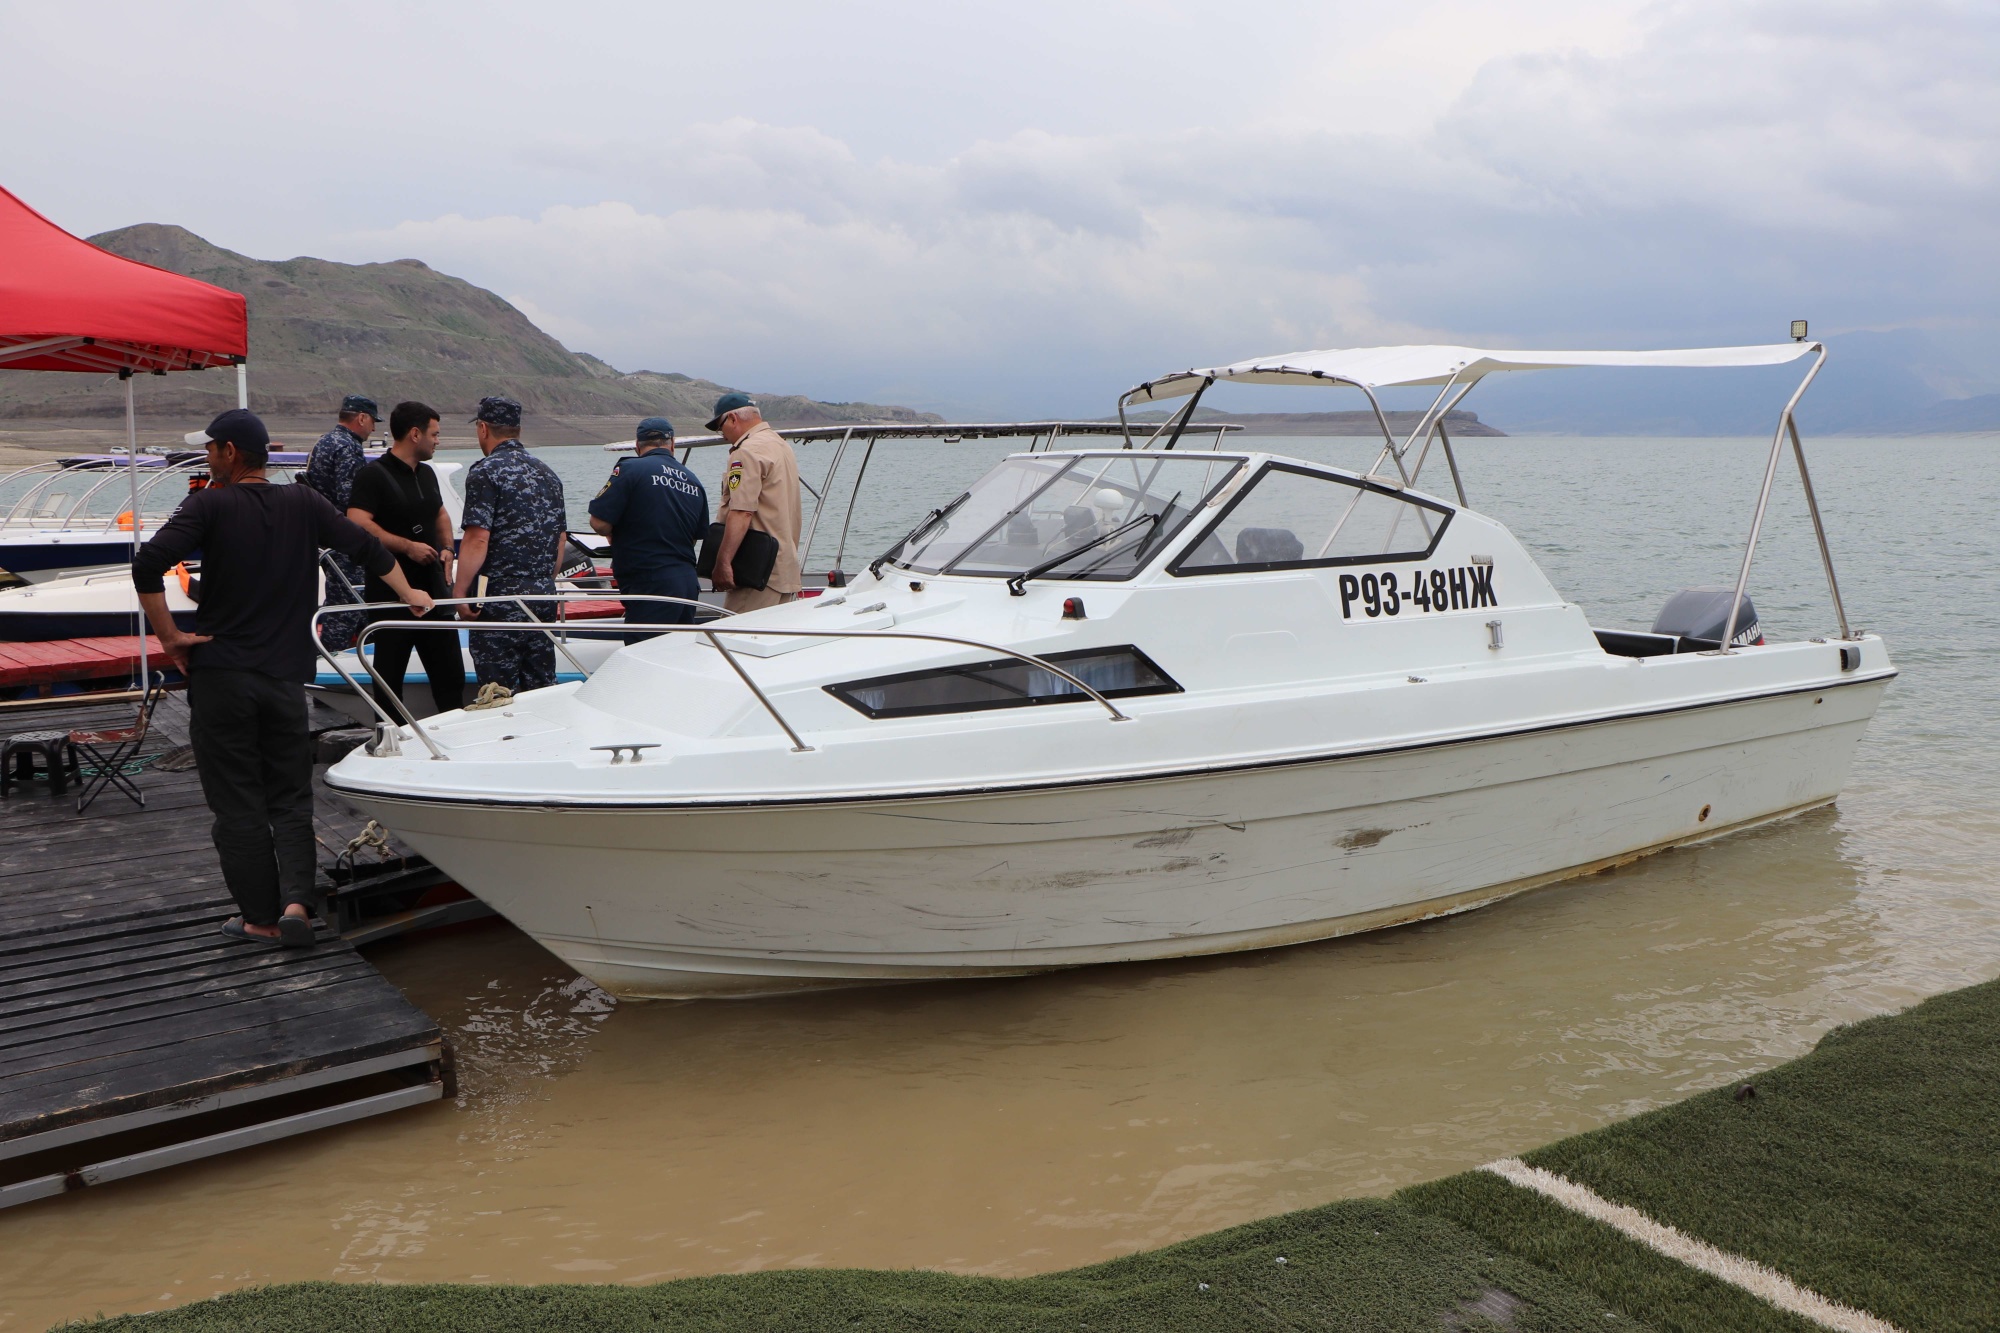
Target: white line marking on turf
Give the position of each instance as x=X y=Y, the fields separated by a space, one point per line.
x=1753 y=1277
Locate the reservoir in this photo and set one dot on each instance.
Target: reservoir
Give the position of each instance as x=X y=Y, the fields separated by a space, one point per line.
x=1032 y=1124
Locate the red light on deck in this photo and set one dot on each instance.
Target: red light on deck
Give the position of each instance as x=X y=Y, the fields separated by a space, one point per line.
x=1072 y=608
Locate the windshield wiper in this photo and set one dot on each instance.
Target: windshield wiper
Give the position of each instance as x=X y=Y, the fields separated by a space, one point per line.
x=1139 y=555
x=930 y=520
x=1017 y=585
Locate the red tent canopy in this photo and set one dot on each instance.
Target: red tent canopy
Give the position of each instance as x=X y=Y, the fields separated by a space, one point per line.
x=67 y=305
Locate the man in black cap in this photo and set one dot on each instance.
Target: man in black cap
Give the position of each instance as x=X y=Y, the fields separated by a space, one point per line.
x=654 y=511
x=247 y=660
x=336 y=457
x=514 y=520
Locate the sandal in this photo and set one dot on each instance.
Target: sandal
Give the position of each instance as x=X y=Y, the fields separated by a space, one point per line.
x=296 y=932
x=233 y=928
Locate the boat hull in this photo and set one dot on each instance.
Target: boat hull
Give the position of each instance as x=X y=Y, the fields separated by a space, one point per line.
x=680 y=901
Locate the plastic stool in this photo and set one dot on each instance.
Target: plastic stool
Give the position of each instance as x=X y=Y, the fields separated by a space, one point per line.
x=17 y=760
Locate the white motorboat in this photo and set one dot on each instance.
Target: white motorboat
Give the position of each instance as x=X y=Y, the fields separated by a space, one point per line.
x=73 y=516
x=1129 y=704
x=55 y=603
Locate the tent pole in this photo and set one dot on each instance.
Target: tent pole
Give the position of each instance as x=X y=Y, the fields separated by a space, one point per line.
x=242 y=385
x=132 y=476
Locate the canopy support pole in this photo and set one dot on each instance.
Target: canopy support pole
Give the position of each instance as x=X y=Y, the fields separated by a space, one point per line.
x=1187 y=414
x=840 y=553
x=1819 y=530
x=243 y=385
x=1451 y=461
x=1433 y=424
x=826 y=489
x=1785 y=426
x=132 y=477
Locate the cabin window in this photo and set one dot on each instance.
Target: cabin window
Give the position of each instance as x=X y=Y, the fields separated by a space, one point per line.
x=1066 y=516
x=1115 y=673
x=1290 y=518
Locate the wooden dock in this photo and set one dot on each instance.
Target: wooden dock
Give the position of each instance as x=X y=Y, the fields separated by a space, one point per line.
x=133 y=1034
x=63 y=660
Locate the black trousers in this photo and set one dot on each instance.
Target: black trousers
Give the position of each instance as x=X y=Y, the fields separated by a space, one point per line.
x=255 y=759
x=436 y=649
x=680 y=582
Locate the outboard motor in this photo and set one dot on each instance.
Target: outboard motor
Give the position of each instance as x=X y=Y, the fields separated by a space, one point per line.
x=577 y=561
x=1702 y=614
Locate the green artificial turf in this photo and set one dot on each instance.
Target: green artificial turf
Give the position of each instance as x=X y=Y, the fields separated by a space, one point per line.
x=1366 y=1265
x=1668 y=1295
x=1867 y=1171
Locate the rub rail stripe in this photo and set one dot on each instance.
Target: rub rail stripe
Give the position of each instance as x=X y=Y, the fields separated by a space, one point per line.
x=1059 y=784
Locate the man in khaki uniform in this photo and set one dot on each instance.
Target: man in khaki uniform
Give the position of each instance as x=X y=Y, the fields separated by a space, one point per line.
x=760 y=490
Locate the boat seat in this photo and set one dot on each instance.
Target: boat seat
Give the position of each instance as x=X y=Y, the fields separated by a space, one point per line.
x=1634 y=643
x=1260 y=546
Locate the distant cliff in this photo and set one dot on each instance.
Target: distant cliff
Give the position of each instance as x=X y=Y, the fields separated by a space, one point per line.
x=319 y=330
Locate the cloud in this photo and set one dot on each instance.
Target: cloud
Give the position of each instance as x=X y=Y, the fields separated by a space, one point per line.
x=1028 y=208
x=1724 y=167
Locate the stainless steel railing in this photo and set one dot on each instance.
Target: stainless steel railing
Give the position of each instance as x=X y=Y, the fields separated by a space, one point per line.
x=709 y=632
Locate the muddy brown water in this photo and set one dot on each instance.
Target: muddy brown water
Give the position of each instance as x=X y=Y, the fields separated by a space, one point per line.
x=1025 y=1125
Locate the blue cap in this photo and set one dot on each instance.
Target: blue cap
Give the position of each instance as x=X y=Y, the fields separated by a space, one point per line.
x=655 y=428
x=359 y=402
x=244 y=429
x=497 y=411
x=728 y=403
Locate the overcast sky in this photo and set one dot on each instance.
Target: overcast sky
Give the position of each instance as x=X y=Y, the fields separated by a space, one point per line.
x=1026 y=207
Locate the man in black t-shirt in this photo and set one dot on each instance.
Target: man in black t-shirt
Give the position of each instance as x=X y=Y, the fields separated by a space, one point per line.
x=396 y=499
x=247 y=662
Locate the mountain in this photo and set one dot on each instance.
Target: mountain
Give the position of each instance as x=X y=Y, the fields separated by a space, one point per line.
x=320 y=330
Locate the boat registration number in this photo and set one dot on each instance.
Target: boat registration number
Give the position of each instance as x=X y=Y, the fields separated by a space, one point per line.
x=1416 y=591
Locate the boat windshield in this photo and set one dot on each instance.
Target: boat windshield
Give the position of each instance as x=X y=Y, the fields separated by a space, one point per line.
x=1088 y=516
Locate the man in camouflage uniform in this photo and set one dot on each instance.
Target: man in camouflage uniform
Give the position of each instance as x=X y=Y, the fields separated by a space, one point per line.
x=336 y=457
x=514 y=520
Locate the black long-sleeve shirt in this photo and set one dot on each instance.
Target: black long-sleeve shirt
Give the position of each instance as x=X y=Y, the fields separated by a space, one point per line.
x=259 y=547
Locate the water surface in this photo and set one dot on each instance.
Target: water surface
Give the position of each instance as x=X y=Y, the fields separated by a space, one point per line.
x=1024 y=1125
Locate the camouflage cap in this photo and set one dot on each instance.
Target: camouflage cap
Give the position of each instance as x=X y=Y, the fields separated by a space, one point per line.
x=359 y=402
x=497 y=411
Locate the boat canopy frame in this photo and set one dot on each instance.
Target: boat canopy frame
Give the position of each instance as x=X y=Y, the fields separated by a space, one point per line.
x=1459 y=370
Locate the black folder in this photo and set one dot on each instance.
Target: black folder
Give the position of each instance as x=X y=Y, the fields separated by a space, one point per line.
x=756 y=556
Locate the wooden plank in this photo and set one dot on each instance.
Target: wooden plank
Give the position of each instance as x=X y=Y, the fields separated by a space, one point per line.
x=56 y=922
x=215 y=972
x=230 y=1060
x=222 y=1101
x=169 y=1023
x=311 y=1028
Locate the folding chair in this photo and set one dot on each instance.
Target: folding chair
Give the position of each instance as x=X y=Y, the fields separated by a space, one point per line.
x=107 y=752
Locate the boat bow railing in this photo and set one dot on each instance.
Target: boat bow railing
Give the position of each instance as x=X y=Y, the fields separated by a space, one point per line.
x=558 y=631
